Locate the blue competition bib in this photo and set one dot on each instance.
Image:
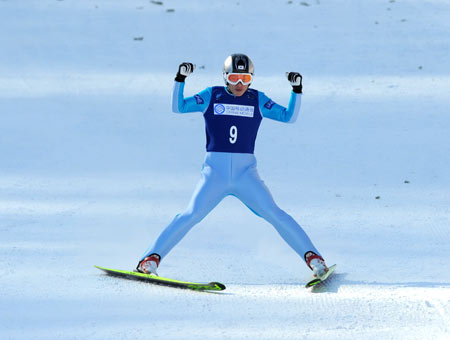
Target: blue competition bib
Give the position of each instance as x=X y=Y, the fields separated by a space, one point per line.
x=231 y=122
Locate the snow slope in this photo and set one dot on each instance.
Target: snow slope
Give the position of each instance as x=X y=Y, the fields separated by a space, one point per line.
x=93 y=165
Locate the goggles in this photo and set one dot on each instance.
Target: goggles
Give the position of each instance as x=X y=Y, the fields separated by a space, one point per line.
x=235 y=78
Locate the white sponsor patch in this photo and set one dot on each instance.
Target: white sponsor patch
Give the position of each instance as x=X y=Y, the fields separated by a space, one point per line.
x=234 y=110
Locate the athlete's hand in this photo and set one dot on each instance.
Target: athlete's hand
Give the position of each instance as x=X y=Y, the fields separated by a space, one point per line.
x=295 y=79
x=184 y=70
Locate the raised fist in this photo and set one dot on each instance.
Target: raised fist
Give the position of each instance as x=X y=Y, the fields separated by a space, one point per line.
x=295 y=79
x=184 y=70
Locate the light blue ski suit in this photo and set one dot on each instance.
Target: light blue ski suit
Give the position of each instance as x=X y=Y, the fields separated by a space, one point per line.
x=229 y=167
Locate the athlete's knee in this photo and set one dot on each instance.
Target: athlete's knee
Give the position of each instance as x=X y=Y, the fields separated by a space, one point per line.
x=277 y=216
x=191 y=217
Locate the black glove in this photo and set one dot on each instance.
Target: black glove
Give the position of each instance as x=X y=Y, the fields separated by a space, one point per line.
x=295 y=79
x=184 y=70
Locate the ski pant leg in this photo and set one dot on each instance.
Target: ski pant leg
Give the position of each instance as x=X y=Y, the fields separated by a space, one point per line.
x=252 y=191
x=209 y=192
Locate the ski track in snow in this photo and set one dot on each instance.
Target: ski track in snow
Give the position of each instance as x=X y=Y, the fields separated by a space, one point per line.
x=93 y=165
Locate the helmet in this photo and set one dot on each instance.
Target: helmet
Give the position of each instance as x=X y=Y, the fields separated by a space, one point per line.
x=237 y=63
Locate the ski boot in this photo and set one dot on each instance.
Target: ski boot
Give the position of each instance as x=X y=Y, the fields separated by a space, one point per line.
x=149 y=265
x=316 y=263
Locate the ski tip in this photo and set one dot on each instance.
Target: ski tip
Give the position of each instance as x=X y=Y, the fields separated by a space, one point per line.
x=102 y=269
x=218 y=285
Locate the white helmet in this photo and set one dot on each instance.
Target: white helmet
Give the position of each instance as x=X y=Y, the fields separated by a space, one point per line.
x=237 y=63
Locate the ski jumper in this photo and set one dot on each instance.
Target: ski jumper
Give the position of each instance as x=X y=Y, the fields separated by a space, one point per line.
x=230 y=166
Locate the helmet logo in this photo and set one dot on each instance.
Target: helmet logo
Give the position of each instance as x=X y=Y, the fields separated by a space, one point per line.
x=241 y=67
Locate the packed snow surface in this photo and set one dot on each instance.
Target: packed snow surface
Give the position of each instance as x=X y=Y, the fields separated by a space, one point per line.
x=93 y=165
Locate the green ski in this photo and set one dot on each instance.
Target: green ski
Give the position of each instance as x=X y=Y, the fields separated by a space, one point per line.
x=316 y=280
x=212 y=286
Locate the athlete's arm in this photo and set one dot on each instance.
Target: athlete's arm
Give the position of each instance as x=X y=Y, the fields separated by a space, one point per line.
x=272 y=110
x=197 y=103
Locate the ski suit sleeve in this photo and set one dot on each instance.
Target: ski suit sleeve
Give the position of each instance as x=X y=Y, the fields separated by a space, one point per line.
x=272 y=110
x=197 y=103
